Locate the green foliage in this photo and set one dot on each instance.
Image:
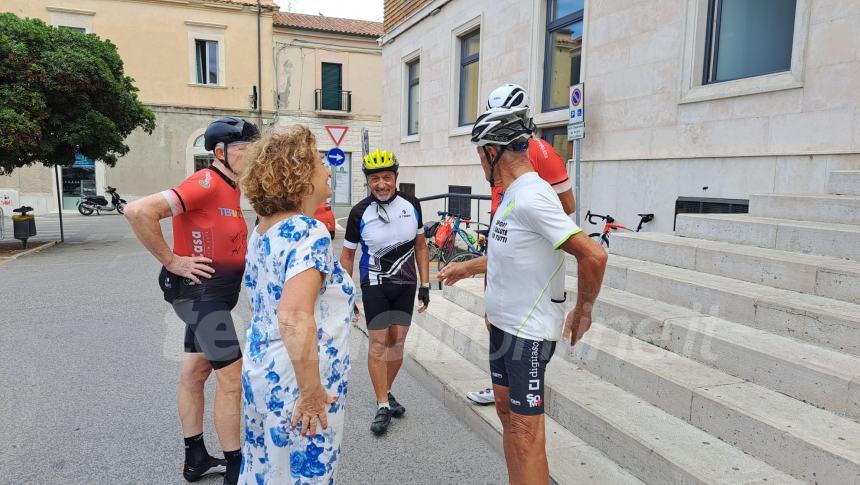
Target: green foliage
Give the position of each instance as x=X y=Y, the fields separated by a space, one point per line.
x=61 y=93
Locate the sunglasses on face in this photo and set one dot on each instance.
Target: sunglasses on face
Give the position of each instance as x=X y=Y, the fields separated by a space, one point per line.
x=382 y=213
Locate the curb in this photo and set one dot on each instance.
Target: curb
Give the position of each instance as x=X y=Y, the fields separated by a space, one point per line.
x=28 y=252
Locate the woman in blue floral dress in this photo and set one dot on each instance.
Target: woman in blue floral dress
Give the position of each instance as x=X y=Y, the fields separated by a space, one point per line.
x=297 y=350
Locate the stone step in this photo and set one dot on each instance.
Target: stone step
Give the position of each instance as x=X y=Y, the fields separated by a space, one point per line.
x=773 y=427
x=652 y=444
x=450 y=376
x=842 y=209
x=811 y=318
x=826 y=239
x=844 y=182
x=813 y=374
x=819 y=275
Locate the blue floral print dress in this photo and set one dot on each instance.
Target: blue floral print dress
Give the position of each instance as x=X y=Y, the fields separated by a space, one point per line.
x=273 y=453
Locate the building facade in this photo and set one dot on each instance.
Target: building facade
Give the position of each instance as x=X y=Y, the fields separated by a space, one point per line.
x=194 y=61
x=329 y=77
x=700 y=99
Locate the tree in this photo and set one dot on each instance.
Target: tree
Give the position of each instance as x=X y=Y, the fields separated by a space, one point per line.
x=62 y=93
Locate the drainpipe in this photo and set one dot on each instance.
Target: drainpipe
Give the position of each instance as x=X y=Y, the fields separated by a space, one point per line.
x=259 y=67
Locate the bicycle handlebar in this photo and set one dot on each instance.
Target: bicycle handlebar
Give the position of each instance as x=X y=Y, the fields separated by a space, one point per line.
x=590 y=218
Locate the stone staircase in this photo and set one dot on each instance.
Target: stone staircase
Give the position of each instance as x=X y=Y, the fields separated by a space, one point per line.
x=726 y=353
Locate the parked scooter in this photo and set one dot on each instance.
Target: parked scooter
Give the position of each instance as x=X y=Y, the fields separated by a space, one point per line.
x=98 y=203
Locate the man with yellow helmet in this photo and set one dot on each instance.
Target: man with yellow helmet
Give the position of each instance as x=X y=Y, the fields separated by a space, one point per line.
x=388 y=226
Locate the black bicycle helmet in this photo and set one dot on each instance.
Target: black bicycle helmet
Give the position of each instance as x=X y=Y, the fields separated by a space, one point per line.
x=229 y=129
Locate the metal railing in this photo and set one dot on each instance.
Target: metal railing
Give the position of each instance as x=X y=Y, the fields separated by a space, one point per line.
x=325 y=100
x=471 y=197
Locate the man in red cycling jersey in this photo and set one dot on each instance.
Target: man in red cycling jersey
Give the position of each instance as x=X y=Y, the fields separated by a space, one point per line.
x=549 y=166
x=201 y=277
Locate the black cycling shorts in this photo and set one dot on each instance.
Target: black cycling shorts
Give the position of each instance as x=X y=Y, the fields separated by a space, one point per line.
x=388 y=304
x=209 y=330
x=520 y=364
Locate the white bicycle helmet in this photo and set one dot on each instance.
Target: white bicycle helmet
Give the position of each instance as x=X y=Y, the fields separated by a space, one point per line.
x=502 y=127
x=510 y=96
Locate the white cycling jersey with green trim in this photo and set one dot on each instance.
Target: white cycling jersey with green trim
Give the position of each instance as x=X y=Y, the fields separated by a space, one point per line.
x=525 y=272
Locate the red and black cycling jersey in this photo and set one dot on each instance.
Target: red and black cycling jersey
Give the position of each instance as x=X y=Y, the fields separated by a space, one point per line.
x=208 y=222
x=549 y=166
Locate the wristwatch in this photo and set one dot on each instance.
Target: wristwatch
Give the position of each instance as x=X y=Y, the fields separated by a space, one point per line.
x=425 y=285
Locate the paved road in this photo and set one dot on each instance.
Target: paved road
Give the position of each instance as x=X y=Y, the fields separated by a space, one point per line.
x=91 y=358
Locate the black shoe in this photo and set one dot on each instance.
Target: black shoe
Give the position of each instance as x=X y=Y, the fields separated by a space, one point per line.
x=381 y=421
x=397 y=409
x=209 y=466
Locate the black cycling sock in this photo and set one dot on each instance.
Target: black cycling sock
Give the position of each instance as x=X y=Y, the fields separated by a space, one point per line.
x=234 y=464
x=195 y=450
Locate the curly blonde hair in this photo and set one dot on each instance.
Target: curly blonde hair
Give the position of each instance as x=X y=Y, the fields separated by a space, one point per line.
x=280 y=169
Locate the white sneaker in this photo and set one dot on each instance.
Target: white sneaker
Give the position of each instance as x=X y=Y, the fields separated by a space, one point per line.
x=482 y=397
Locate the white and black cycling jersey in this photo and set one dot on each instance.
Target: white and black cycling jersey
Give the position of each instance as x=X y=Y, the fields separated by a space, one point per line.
x=387 y=248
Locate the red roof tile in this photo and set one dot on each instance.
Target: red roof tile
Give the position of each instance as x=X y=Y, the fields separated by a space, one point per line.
x=329 y=24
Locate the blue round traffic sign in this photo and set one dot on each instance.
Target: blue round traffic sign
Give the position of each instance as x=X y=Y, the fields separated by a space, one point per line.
x=577 y=96
x=335 y=157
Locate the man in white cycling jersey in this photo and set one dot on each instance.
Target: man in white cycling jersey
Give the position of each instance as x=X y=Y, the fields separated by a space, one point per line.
x=549 y=166
x=525 y=293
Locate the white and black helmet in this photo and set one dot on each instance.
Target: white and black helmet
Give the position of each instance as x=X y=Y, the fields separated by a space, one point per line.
x=510 y=96
x=502 y=127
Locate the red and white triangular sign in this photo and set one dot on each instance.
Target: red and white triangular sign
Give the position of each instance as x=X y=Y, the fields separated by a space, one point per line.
x=337 y=133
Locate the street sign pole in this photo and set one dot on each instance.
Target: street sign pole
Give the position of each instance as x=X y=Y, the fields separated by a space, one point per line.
x=59 y=203
x=576 y=163
x=575 y=133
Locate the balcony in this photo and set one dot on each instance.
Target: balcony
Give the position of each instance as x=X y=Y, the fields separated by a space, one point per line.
x=333 y=101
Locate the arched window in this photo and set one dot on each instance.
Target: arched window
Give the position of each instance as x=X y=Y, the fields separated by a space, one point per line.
x=202 y=158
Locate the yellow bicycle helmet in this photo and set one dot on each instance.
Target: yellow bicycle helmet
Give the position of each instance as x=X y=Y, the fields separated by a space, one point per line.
x=380 y=161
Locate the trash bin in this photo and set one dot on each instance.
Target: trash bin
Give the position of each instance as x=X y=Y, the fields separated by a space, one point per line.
x=23 y=224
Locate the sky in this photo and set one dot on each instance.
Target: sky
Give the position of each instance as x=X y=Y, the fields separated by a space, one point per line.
x=351 y=9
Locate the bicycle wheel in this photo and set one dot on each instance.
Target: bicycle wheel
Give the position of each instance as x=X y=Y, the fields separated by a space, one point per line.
x=448 y=250
x=433 y=249
x=463 y=257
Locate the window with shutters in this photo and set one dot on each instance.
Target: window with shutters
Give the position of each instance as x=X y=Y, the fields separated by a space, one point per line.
x=457 y=205
x=406 y=188
x=332 y=87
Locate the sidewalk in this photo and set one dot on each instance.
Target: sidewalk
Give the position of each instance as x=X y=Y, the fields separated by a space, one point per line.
x=94 y=356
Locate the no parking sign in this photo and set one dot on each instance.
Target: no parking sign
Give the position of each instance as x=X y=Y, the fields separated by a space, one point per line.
x=577 y=104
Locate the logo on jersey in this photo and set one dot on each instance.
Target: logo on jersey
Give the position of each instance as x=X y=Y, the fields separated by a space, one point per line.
x=206 y=181
x=405 y=214
x=500 y=231
x=197 y=243
x=229 y=212
x=534 y=400
x=543 y=150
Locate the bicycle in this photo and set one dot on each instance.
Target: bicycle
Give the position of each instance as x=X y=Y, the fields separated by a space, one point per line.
x=444 y=240
x=602 y=237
